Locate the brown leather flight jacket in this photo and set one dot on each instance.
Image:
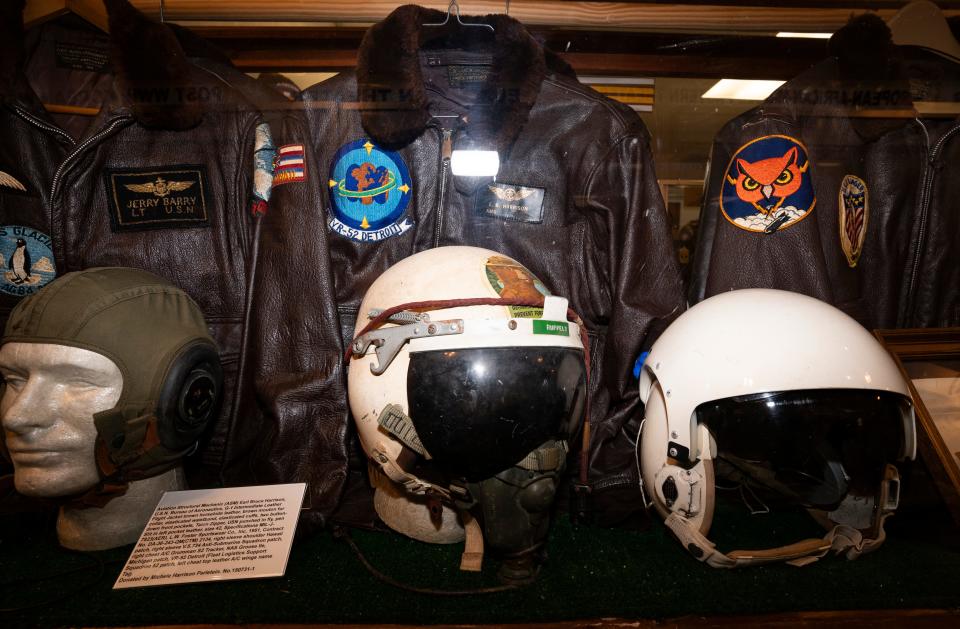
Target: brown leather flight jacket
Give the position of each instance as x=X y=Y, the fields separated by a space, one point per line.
x=592 y=225
x=880 y=241
x=162 y=179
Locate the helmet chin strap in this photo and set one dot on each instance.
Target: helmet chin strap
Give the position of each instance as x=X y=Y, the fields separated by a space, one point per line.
x=842 y=538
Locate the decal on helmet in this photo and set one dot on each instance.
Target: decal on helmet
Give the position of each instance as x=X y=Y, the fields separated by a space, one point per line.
x=26 y=260
x=854 y=211
x=370 y=190
x=556 y=328
x=767 y=185
x=512 y=280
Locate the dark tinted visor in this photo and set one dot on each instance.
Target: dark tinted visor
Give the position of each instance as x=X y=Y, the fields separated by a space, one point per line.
x=814 y=446
x=480 y=411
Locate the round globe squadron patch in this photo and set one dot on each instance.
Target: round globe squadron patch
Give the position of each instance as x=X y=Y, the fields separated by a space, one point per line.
x=26 y=260
x=370 y=190
x=854 y=211
x=768 y=185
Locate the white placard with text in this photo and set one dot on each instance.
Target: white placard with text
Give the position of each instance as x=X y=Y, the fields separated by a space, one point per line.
x=216 y=535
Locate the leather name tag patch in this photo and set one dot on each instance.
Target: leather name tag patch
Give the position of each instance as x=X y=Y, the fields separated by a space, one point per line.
x=157 y=198
x=460 y=75
x=510 y=202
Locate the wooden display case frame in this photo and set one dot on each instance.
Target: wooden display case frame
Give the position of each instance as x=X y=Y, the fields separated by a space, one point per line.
x=920 y=353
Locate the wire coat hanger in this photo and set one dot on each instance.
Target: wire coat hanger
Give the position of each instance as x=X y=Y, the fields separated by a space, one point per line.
x=454 y=8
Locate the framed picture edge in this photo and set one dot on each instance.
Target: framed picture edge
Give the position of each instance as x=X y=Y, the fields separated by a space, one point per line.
x=928 y=344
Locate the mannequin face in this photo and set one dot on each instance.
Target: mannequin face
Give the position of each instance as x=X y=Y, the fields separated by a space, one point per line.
x=52 y=392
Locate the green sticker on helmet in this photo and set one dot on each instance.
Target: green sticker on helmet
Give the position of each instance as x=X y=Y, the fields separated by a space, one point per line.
x=558 y=328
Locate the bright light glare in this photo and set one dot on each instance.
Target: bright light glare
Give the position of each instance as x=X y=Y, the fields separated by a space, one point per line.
x=469 y=163
x=739 y=89
x=805 y=35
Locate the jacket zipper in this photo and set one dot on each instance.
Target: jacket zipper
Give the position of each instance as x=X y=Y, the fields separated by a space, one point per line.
x=40 y=124
x=446 y=149
x=926 y=191
x=54 y=186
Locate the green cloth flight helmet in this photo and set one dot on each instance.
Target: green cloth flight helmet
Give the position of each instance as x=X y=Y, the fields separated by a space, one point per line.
x=158 y=338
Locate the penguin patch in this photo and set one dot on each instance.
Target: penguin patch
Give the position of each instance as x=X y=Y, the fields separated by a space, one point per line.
x=26 y=260
x=768 y=185
x=165 y=197
x=370 y=189
x=854 y=211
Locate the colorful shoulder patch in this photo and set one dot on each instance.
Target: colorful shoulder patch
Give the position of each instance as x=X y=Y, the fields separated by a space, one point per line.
x=26 y=260
x=264 y=163
x=370 y=190
x=854 y=210
x=768 y=185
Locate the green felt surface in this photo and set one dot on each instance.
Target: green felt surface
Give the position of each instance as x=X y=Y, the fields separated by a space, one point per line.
x=591 y=573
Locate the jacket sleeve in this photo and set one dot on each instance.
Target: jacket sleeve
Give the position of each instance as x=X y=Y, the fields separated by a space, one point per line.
x=643 y=283
x=294 y=362
x=728 y=257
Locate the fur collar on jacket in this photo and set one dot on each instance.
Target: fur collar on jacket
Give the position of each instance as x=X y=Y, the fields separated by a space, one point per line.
x=145 y=55
x=388 y=67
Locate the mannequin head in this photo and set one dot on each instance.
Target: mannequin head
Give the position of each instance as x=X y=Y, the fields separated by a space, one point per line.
x=111 y=378
x=141 y=329
x=52 y=392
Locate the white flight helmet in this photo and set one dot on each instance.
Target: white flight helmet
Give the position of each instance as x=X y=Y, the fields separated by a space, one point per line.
x=793 y=395
x=458 y=392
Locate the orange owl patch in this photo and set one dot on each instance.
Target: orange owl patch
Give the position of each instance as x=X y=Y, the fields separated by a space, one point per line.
x=767 y=185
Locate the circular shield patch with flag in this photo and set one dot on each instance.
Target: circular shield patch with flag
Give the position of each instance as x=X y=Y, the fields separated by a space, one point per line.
x=854 y=211
x=26 y=260
x=768 y=185
x=370 y=190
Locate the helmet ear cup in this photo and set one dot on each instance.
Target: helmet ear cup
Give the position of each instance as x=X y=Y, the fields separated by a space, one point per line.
x=190 y=395
x=672 y=488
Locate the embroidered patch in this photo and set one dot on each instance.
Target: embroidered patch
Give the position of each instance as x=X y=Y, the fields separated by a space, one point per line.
x=512 y=280
x=264 y=158
x=854 y=211
x=290 y=165
x=510 y=202
x=26 y=260
x=8 y=182
x=370 y=189
x=768 y=185
x=164 y=197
